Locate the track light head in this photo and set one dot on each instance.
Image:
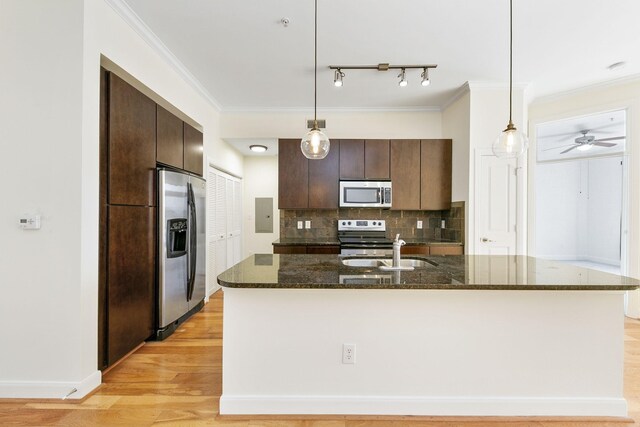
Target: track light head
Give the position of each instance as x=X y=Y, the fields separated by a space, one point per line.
x=425 y=77
x=337 y=79
x=403 y=78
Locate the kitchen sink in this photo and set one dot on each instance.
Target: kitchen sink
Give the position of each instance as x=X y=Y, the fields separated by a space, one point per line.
x=387 y=262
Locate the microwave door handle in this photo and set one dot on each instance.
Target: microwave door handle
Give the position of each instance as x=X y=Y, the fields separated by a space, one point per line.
x=380 y=195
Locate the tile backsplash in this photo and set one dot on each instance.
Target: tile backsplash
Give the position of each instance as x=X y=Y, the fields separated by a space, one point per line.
x=324 y=222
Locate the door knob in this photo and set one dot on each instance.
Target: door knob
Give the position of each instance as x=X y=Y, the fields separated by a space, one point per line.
x=484 y=239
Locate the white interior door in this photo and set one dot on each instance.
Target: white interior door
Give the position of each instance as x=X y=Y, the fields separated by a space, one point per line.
x=496 y=205
x=221 y=224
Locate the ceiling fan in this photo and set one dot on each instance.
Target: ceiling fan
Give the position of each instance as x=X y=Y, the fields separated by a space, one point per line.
x=585 y=142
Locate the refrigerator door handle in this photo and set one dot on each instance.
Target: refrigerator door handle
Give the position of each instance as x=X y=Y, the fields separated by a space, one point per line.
x=193 y=242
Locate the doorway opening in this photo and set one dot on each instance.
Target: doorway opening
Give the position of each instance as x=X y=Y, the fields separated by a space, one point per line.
x=580 y=199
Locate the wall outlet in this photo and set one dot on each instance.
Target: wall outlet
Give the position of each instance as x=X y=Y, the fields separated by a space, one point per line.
x=419 y=225
x=442 y=224
x=348 y=353
x=307 y=224
x=299 y=225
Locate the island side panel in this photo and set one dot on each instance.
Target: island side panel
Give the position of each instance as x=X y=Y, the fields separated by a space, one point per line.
x=423 y=352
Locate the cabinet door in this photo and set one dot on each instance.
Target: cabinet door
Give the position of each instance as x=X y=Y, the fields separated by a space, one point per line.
x=435 y=155
x=446 y=250
x=131 y=278
x=132 y=145
x=376 y=159
x=415 y=250
x=297 y=249
x=352 y=158
x=193 y=149
x=324 y=180
x=169 y=139
x=293 y=175
x=324 y=249
x=405 y=174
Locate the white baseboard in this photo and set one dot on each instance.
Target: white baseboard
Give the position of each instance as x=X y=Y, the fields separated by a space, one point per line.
x=446 y=406
x=50 y=389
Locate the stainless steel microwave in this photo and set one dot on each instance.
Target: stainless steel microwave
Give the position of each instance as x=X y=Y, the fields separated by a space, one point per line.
x=365 y=194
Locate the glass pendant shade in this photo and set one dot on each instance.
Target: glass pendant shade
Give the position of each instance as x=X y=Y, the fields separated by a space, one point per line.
x=315 y=144
x=510 y=143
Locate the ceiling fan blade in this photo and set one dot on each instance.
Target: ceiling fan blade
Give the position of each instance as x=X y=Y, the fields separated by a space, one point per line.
x=557 y=135
x=605 y=144
x=615 y=138
x=556 y=148
x=569 y=149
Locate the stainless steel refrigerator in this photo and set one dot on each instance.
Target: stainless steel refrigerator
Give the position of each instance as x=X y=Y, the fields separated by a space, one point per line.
x=181 y=250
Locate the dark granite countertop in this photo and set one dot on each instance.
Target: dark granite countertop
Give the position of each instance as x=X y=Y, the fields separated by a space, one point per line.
x=306 y=242
x=332 y=242
x=481 y=272
x=430 y=242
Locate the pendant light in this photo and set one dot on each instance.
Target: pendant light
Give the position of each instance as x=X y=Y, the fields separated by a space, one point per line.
x=315 y=144
x=511 y=142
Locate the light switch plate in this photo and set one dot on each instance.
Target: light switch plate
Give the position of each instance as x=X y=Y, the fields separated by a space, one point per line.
x=299 y=225
x=419 y=224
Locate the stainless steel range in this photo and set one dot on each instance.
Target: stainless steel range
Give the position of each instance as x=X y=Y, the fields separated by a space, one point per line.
x=363 y=237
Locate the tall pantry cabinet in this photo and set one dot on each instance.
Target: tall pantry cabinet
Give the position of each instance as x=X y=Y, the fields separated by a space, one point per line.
x=127 y=219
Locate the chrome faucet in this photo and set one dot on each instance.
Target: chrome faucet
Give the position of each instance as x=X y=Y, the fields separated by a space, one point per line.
x=397 y=244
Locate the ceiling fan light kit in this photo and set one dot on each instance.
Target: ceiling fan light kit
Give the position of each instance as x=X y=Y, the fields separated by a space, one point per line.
x=425 y=80
x=511 y=142
x=315 y=144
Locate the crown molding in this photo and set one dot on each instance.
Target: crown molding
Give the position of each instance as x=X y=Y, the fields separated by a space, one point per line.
x=588 y=88
x=138 y=25
x=306 y=110
x=459 y=93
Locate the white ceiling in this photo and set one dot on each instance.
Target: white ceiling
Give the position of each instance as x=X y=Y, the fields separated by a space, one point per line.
x=247 y=60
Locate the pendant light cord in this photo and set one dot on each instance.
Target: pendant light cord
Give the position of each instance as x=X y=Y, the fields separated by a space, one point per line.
x=315 y=67
x=510 y=57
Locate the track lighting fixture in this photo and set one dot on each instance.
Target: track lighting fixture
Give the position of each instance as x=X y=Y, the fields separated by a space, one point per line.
x=337 y=79
x=338 y=75
x=403 y=79
x=425 y=77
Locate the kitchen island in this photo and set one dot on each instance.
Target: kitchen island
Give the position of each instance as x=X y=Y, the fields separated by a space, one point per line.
x=463 y=335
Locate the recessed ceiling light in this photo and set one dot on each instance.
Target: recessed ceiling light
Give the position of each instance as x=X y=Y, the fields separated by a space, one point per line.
x=258 y=148
x=616 y=65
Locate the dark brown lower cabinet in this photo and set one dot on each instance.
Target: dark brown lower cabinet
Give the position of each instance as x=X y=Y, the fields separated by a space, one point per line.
x=446 y=250
x=130 y=280
x=306 y=249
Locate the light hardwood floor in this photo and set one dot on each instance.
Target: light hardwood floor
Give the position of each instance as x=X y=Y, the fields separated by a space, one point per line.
x=177 y=382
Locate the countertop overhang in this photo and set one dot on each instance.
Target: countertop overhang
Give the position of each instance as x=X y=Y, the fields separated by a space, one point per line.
x=478 y=272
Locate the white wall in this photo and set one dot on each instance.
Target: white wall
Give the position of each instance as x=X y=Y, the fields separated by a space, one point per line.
x=41 y=291
x=347 y=124
x=616 y=95
x=260 y=180
x=50 y=108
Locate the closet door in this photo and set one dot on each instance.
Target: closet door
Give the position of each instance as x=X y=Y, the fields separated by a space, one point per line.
x=221 y=224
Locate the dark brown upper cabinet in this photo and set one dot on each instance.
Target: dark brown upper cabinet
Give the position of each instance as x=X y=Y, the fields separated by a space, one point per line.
x=435 y=175
x=170 y=139
x=293 y=175
x=193 y=149
x=351 y=158
x=364 y=159
x=324 y=182
x=132 y=145
x=376 y=159
x=405 y=174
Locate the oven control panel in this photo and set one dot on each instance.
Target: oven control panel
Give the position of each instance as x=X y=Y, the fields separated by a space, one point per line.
x=361 y=225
